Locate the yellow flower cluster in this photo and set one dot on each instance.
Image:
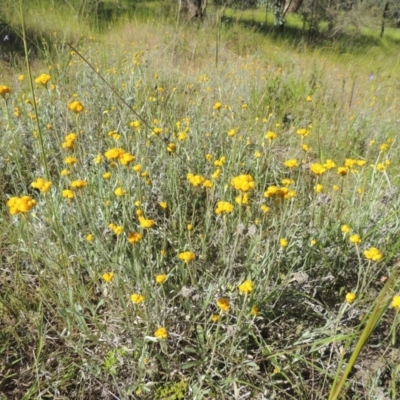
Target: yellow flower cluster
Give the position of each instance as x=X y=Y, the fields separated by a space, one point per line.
x=117 y=153
x=244 y=183
x=78 y=184
x=69 y=141
x=292 y=163
x=223 y=207
x=279 y=192
x=373 y=254
x=117 y=229
x=20 y=205
x=68 y=194
x=76 y=106
x=41 y=184
x=197 y=180
x=43 y=79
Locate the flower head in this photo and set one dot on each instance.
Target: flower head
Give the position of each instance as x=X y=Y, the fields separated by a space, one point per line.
x=350 y=297
x=134 y=237
x=76 y=106
x=137 y=298
x=160 y=279
x=283 y=242
x=43 y=79
x=292 y=163
x=244 y=183
x=20 y=205
x=145 y=223
x=78 y=184
x=70 y=160
x=223 y=207
x=246 y=287
x=108 y=277
x=186 y=256
x=161 y=333
x=373 y=254
x=41 y=184
x=355 y=239
x=119 y=191
x=223 y=304
x=4 y=90
x=68 y=194
x=396 y=302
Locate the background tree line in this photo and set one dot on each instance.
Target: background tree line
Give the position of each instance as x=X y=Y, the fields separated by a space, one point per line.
x=336 y=16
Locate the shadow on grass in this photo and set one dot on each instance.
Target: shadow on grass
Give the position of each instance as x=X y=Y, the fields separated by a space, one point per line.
x=301 y=35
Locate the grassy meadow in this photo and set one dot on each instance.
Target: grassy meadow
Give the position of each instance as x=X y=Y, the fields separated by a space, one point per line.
x=220 y=220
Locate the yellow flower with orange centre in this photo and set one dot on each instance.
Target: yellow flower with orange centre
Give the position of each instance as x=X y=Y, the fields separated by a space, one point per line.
x=134 y=237
x=4 y=90
x=244 y=183
x=41 y=184
x=223 y=304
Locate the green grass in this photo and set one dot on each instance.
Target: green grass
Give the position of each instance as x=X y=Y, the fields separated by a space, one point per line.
x=68 y=333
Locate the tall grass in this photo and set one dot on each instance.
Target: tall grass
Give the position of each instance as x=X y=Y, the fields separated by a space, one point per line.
x=254 y=296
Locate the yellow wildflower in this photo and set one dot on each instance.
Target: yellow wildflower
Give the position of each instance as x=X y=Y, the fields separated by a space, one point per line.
x=350 y=297
x=396 y=302
x=223 y=207
x=68 y=194
x=146 y=223
x=223 y=304
x=41 y=184
x=134 y=237
x=186 y=256
x=108 y=277
x=373 y=254
x=246 y=287
x=137 y=298
x=21 y=205
x=161 y=333
x=160 y=279
x=119 y=191
x=43 y=79
x=243 y=183
x=76 y=106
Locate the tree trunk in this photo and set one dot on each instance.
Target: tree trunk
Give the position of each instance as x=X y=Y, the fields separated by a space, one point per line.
x=385 y=11
x=194 y=8
x=292 y=6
